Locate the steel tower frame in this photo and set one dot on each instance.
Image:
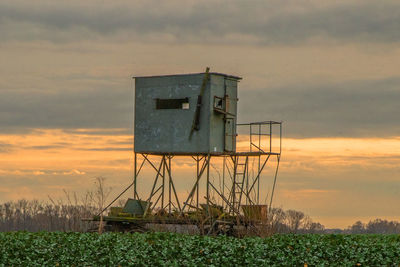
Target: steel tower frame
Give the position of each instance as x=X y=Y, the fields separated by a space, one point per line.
x=241 y=188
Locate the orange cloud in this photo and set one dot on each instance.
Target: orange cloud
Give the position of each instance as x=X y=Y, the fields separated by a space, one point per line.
x=313 y=172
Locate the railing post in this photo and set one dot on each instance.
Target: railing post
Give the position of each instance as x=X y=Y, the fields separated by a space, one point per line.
x=270 y=137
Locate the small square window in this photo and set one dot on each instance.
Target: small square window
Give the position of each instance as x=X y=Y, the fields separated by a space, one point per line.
x=185 y=105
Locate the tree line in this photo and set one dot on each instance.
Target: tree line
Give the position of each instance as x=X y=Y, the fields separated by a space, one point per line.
x=34 y=215
x=377 y=226
x=292 y=221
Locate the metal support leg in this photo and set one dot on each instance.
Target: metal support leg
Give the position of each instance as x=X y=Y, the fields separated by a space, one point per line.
x=278 y=158
x=135 y=178
x=208 y=184
x=197 y=184
x=163 y=184
x=169 y=184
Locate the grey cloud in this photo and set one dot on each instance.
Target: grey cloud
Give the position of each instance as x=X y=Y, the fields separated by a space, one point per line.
x=113 y=132
x=108 y=149
x=358 y=108
x=71 y=146
x=5 y=148
x=268 y=22
x=44 y=147
x=7 y=129
x=127 y=142
x=68 y=109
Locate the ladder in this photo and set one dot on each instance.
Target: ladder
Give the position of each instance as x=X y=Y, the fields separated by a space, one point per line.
x=239 y=181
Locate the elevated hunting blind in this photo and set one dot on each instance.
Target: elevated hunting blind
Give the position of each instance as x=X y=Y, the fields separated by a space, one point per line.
x=192 y=119
x=186 y=113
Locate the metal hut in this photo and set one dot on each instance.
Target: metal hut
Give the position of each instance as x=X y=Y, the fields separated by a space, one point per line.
x=186 y=114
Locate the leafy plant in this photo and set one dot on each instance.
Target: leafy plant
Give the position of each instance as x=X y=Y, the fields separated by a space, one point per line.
x=168 y=249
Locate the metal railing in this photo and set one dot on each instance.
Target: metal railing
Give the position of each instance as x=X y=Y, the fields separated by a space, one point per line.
x=261 y=136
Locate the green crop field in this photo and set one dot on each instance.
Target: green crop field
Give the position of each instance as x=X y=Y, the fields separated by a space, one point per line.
x=167 y=249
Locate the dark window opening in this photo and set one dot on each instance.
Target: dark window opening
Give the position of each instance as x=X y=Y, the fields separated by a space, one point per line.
x=179 y=103
x=218 y=103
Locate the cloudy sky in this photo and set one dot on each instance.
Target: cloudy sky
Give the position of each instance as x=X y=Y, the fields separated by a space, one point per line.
x=330 y=70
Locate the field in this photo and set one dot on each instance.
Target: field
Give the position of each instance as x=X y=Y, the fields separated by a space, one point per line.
x=167 y=249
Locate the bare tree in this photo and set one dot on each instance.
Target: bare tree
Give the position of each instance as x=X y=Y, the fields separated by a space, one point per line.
x=100 y=195
x=276 y=219
x=357 y=228
x=294 y=220
x=379 y=226
x=308 y=226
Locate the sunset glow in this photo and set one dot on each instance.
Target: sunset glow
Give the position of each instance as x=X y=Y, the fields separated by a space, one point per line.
x=55 y=160
x=328 y=70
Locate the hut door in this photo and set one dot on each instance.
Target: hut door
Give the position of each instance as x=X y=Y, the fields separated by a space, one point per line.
x=229 y=134
x=230 y=114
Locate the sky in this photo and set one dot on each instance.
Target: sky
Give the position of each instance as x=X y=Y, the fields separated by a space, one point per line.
x=330 y=70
